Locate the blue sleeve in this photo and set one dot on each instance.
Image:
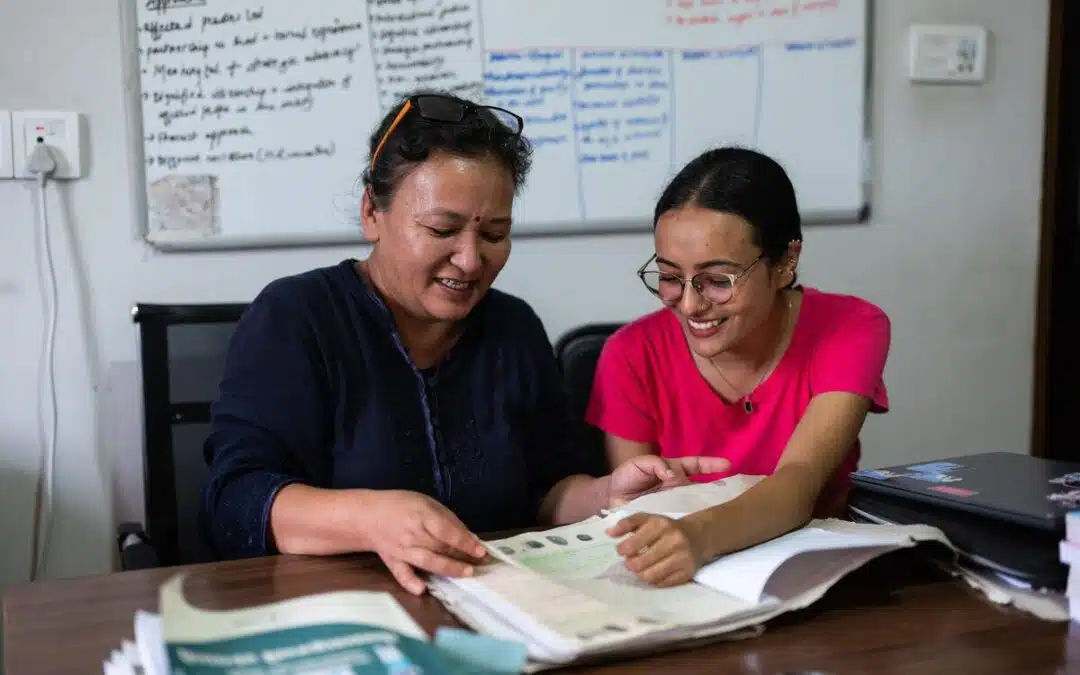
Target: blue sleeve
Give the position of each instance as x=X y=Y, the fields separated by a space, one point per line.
x=551 y=453
x=269 y=423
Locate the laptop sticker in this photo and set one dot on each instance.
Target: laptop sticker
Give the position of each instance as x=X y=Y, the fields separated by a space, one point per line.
x=954 y=491
x=877 y=474
x=1069 y=499
x=934 y=472
x=933 y=477
x=935 y=467
x=1071 y=480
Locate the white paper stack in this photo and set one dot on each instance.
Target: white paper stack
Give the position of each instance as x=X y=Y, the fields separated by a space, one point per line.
x=143 y=656
x=1069 y=553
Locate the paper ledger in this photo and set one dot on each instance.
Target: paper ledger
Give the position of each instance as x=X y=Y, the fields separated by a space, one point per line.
x=567 y=595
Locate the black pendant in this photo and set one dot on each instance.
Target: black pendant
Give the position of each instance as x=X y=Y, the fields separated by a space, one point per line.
x=747 y=406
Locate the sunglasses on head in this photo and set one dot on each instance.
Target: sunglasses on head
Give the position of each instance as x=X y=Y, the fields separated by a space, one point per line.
x=447 y=110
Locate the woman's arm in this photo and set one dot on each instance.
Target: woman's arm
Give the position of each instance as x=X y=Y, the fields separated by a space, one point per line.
x=620 y=450
x=268 y=423
x=785 y=500
x=317 y=521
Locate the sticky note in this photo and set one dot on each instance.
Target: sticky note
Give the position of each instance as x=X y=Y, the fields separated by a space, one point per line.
x=480 y=651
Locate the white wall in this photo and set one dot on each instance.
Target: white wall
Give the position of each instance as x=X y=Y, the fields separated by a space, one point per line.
x=950 y=253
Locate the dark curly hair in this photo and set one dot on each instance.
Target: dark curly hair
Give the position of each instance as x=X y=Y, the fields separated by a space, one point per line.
x=415 y=139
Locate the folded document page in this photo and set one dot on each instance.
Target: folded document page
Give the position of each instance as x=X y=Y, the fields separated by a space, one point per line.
x=567 y=594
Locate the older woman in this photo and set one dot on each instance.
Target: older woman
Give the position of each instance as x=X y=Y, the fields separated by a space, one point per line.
x=740 y=364
x=398 y=404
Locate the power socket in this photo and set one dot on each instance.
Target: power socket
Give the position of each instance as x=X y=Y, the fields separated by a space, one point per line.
x=7 y=156
x=61 y=131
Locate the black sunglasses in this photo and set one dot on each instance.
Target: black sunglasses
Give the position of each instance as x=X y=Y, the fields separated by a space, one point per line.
x=447 y=110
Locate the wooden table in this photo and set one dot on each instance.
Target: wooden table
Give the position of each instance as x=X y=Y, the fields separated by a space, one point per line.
x=896 y=615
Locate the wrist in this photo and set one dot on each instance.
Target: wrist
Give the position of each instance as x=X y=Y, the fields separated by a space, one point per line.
x=358 y=513
x=602 y=487
x=700 y=532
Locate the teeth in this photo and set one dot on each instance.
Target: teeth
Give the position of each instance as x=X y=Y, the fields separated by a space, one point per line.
x=698 y=325
x=454 y=284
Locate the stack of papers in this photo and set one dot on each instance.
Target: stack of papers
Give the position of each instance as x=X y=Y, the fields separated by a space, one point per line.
x=353 y=632
x=1069 y=554
x=567 y=594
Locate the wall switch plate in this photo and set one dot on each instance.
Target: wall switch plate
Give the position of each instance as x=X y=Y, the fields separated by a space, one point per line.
x=61 y=131
x=947 y=53
x=7 y=157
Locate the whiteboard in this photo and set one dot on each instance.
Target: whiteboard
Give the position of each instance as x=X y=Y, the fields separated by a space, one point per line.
x=253 y=116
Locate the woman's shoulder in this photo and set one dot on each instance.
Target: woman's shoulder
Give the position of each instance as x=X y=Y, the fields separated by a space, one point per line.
x=499 y=306
x=322 y=301
x=643 y=339
x=826 y=317
x=837 y=309
x=303 y=288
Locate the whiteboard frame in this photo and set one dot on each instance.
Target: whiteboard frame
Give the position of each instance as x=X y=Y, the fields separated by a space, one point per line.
x=522 y=230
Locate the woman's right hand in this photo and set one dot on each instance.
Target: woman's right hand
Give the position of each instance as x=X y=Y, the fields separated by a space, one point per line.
x=411 y=532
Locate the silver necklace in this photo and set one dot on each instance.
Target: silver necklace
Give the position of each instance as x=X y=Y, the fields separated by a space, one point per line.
x=748 y=405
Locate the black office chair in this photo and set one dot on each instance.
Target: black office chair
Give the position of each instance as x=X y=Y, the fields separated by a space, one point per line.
x=578 y=351
x=182 y=355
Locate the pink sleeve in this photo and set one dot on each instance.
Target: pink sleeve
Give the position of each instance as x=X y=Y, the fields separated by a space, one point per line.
x=620 y=403
x=852 y=358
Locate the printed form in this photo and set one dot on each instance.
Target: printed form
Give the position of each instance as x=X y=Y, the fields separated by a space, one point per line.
x=583 y=557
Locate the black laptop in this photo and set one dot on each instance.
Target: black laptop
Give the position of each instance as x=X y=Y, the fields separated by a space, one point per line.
x=1002 y=510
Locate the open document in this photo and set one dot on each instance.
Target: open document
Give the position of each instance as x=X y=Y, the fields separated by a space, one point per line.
x=567 y=594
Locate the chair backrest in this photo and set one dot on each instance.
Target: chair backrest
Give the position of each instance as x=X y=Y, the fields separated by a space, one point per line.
x=182 y=357
x=578 y=351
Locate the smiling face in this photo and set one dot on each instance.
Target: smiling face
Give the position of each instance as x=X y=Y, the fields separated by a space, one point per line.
x=444 y=237
x=693 y=240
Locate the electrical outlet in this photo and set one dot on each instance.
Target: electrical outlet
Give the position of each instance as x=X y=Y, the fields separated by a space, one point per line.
x=947 y=53
x=59 y=130
x=7 y=157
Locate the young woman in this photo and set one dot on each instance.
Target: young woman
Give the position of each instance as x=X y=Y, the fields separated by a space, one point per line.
x=741 y=364
x=399 y=404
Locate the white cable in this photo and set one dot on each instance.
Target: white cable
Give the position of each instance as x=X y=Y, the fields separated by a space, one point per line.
x=42 y=164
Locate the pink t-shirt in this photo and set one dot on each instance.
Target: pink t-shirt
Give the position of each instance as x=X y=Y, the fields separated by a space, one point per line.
x=648 y=389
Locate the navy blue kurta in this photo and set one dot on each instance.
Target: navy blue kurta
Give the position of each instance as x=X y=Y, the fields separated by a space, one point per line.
x=318 y=389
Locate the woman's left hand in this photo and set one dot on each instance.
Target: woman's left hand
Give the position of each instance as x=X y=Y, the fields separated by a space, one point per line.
x=661 y=551
x=648 y=473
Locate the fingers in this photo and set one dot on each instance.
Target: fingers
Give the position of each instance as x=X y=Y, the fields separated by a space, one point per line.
x=405 y=576
x=678 y=473
x=671 y=566
x=644 y=536
x=682 y=576
x=628 y=524
x=694 y=466
x=642 y=558
x=436 y=563
x=675 y=471
x=653 y=465
x=657 y=551
x=446 y=529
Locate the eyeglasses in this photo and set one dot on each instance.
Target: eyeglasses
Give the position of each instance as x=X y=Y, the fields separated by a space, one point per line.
x=446 y=110
x=716 y=287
